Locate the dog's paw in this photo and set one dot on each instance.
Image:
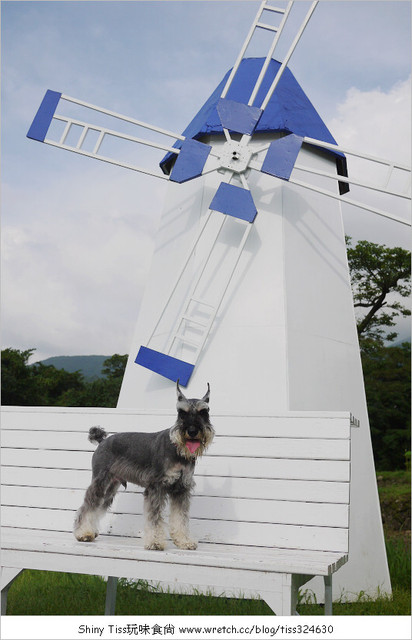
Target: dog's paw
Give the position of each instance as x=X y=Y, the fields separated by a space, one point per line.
x=186 y=543
x=86 y=536
x=155 y=546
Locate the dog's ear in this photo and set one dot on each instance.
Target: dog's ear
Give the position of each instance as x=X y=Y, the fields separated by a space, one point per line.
x=207 y=394
x=182 y=401
x=204 y=402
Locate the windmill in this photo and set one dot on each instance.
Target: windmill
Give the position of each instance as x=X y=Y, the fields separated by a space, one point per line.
x=249 y=286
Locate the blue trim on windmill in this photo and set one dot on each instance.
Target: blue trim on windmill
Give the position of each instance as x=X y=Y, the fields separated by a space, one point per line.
x=289 y=111
x=44 y=116
x=167 y=366
x=190 y=161
x=238 y=117
x=281 y=156
x=234 y=201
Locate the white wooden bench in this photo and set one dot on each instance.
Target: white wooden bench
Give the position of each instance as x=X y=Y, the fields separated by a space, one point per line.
x=270 y=511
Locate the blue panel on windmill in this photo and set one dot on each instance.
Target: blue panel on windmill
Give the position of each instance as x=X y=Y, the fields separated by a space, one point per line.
x=167 y=366
x=238 y=117
x=281 y=156
x=288 y=110
x=44 y=116
x=234 y=201
x=190 y=161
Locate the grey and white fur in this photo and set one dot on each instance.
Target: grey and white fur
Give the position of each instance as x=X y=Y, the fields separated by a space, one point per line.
x=162 y=463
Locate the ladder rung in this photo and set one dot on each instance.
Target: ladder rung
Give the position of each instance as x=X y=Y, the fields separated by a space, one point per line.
x=99 y=142
x=182 y=338
x=82 y=137
x=65 y=132
x=206 y=304
x=268 y=27
x=189 y=319
x=275 y=9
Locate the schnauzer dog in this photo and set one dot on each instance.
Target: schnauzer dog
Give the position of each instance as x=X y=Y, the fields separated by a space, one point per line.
x=162 y=463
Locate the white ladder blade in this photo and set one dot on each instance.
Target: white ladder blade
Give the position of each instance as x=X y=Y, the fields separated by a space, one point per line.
x=269 y=55
x=354 y=203
x=204 y=332
x=353 y=152
x=43 y=131
x=256 y=25
x=118 y=163
x=288 y=55
x=243 y=50
x=355 y=181
x=103 y=133
x=120 y=116
x=179 y=276
x=356 y=178
x=197 y=315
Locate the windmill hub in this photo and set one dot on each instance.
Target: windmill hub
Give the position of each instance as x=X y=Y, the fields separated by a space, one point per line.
x=235 y=156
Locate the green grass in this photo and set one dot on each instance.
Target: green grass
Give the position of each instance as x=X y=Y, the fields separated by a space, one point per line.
x=48 y=593
x=394 y=484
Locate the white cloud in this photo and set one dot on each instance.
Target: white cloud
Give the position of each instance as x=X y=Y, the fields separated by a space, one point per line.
x=377 y=122
x=73 y=275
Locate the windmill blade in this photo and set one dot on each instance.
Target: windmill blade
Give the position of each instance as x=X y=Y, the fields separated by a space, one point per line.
x=197 y=312
x=254 y=30
x=41 y=130
x=230 y=121
x=242 y=117
x=272 y=167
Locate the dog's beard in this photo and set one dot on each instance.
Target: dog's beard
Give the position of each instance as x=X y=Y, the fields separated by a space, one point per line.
x=191 y=448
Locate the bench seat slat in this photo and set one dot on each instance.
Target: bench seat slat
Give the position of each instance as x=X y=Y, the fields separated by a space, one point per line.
x=303 y=490
x=207 y=530
x=222 y=508
x=207 y=554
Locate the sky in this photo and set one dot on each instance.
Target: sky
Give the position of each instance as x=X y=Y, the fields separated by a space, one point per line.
x=78 y=234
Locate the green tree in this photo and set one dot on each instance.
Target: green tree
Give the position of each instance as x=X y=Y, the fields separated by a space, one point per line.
x=380 y=278
x=114 y=366
x=102 y=392
x=17 y=383
x=34 y=385
x=377 y=272
x=53 y=383
x=387 y=384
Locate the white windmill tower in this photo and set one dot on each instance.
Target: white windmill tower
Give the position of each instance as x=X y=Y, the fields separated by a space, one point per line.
x=249 y=286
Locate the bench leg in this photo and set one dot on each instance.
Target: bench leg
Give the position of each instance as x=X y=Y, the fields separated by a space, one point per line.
x=8 y=576
x=4 y=600
x=283 y=599
x=328 y=595
x=111 y=591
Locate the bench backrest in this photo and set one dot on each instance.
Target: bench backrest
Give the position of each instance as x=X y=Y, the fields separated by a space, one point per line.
x=277 y=481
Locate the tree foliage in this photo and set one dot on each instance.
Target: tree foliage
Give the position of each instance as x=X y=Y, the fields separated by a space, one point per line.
x=387 y=377
x=380 y=277
x=18 y=386
x=41 y=385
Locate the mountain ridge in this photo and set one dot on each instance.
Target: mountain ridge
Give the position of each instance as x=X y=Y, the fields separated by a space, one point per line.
x=90 y=366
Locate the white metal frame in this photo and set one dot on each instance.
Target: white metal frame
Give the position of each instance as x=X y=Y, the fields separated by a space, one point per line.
x=380 y=188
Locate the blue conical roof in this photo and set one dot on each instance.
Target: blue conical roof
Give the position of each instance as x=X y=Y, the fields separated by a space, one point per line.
x=289 y=109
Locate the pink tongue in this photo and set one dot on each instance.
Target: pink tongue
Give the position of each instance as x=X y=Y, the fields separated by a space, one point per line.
x=192 y=445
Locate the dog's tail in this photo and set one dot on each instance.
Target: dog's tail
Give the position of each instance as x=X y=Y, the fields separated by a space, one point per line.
x=96 y=434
